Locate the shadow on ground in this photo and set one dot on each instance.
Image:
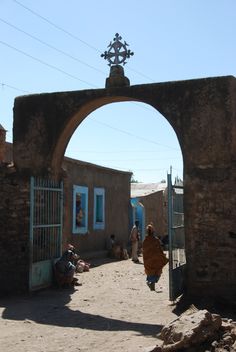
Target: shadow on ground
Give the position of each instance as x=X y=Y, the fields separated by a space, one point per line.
x=223 y=308
x=104 y=261
x=52 y=307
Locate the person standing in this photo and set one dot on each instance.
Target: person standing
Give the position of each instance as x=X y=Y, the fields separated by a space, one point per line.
x=134 y=238
x=154 y=259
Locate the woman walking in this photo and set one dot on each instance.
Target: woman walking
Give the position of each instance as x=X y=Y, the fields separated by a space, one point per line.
x=154 y=259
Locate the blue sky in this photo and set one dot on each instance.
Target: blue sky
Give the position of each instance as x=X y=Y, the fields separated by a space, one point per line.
x=53 y=46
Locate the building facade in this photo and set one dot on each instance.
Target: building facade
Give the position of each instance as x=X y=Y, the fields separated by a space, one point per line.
x=96 y=205
x=149 y=203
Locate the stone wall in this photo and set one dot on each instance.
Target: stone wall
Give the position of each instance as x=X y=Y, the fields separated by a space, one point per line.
x=15 y=242
x=202 y=113
x=14 y=231
x=2 y=144
x=211 y=241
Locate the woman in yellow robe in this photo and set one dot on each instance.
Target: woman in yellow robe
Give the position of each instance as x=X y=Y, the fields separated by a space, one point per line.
x=154 y=259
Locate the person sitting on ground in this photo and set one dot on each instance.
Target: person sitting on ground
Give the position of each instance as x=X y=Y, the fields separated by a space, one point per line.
x=116 y=249
x=154 y=258
x=65 y=268
x=82 y=266
x=110 y=245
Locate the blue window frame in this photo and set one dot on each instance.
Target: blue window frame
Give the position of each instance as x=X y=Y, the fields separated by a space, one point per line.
x=80 y=209
x=99 y=209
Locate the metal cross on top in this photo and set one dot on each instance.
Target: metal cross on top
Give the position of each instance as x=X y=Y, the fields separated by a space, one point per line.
x=118 y=52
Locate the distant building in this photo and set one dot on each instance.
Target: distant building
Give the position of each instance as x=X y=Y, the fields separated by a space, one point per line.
x=149 y=204
x=96 y=202
x=2 y=144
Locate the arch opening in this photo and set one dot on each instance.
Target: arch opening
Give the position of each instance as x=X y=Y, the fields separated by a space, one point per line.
x=131 y=137
x=129 y=122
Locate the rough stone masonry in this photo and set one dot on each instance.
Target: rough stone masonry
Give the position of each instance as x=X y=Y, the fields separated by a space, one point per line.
x=202 y=113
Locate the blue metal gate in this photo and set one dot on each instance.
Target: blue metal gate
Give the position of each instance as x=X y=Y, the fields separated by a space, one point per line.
x=177 y=260
x=46 y=212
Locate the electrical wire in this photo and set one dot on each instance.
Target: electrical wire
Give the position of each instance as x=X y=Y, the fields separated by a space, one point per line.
x=133 y=135
x=56 y=26
x=71 y=57
x=107 y=125
x=47 y=64
x=51 y=46
x=73 y=36
x=15 y=88
x=68 y=33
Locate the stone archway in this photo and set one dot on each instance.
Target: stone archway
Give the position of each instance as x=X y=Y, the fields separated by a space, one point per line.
x=202 y=114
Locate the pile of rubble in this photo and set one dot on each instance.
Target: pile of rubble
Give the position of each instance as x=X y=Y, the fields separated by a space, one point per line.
x=197 y=331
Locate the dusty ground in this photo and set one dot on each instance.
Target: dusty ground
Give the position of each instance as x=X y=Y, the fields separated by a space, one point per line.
x=113 y=310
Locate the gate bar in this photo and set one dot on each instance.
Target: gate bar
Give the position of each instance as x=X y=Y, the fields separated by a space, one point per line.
x=170 y=226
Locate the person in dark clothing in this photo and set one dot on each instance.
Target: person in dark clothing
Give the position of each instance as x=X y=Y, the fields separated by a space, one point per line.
x=65 y=269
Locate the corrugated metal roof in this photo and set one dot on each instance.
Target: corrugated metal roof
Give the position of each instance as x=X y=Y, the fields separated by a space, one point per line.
x=179 y=183
x=144 y=189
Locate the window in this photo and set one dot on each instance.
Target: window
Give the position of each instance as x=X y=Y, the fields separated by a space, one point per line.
x=80 y=209
x=99 y=209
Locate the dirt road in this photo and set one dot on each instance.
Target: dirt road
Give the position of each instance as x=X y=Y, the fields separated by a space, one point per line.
x=113 y=310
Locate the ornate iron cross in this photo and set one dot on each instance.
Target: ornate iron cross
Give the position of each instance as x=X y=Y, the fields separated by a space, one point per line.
x=118 y=52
